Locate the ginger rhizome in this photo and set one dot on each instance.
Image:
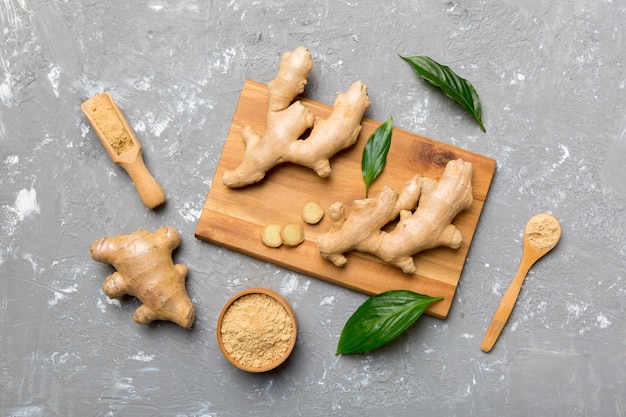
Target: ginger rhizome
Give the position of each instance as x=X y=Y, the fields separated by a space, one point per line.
x=145 y=270
x=429 y=226
x=288 y=121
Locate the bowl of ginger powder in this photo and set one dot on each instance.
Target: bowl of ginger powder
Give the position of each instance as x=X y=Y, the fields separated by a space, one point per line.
x=256 y=330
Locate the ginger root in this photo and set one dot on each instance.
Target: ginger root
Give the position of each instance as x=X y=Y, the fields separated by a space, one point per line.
x=145 y=270
x=287 y=122
x=428 y=227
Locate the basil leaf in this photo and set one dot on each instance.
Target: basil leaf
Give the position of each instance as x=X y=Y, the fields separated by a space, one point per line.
x=375 y=153
x=382 y=318
x=455 y=87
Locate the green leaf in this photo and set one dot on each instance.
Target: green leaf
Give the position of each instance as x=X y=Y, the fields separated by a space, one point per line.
x=455 y=87
x=375 y=153
x=382 y=318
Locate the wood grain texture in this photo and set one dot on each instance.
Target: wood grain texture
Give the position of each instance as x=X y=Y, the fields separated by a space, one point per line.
x=234 y=218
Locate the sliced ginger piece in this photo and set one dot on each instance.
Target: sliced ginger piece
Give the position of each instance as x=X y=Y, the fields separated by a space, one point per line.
x=271 y=235
x=312 y=212
x=292 y=234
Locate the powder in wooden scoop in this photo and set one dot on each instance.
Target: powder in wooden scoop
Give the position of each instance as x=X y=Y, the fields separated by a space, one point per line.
x=109 y=123
x=256 y=330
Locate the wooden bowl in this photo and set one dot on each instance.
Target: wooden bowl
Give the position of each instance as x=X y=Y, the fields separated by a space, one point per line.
x=256 y=330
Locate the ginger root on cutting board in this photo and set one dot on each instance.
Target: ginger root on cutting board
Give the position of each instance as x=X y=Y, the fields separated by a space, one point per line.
x=145 y=270
x=426 y=228
x=288 y=121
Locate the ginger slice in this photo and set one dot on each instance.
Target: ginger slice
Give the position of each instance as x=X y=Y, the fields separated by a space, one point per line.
x=312 y=212
x=271 y=236
x=292 y=234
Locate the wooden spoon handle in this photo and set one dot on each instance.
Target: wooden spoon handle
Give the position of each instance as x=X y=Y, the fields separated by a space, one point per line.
x=149 y=190
x=505 y=308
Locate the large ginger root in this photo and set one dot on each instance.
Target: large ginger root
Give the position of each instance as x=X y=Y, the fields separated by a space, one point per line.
x=287 y=122
x=428 y=227
x=145 y=270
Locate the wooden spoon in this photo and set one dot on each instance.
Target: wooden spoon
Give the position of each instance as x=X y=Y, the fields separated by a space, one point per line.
x=541 y=234
x=122 y=145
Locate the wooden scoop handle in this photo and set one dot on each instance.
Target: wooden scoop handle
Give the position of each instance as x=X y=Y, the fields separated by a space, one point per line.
x=149 y=190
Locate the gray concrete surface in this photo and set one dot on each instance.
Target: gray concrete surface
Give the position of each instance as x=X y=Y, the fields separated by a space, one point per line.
x=552 y=80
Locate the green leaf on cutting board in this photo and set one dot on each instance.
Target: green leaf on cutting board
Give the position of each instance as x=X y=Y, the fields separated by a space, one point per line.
x=375 y=153
x=455 y=87
x=382 y=318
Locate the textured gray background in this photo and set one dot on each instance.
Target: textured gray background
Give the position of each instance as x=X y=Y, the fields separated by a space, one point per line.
x=552 y=80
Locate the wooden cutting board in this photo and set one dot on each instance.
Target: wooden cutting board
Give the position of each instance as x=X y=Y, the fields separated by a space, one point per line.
x=234 y=218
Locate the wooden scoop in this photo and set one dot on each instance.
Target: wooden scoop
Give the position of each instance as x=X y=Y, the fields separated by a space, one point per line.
x=122 y=145
x=542 y=233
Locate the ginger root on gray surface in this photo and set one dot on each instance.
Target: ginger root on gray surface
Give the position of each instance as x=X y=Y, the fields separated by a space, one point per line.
x=145 y=270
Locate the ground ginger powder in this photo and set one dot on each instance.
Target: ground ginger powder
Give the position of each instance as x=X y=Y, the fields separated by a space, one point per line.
x=543 y=231
x=109 y=123
x=256 y=330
